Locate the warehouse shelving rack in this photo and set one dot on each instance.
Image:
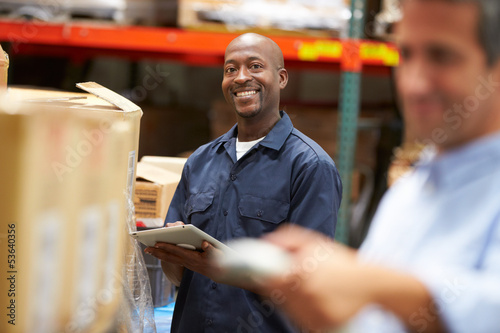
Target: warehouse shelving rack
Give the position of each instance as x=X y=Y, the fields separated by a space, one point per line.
x=352 y=56
x=192 y=47
x=349 y=111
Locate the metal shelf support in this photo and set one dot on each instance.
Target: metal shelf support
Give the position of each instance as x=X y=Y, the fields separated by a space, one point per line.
x=350 y=90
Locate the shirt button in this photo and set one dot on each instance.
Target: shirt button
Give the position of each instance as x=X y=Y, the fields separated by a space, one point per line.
x=259 y=213
x=225 y=213
x=214 y=285
x=210 y=322
x=233 y=177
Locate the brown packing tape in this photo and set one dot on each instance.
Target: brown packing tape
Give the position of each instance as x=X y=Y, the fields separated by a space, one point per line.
x=4 y=66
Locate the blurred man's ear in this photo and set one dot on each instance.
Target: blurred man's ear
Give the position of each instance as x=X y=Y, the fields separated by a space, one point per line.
x=283 y=77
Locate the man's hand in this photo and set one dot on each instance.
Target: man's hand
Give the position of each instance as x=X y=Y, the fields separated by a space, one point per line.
x=325 y=276
x=172 y=271
x=200 y=262
x=175 y=258
x=328 y=285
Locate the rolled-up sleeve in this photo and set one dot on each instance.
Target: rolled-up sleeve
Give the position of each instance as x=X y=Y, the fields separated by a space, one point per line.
x=466 y=299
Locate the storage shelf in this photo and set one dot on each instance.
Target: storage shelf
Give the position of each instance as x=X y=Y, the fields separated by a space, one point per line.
x=86 y=39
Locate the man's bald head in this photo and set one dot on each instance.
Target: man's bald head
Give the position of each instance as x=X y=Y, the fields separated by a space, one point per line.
x=254 y=76
x=252 y=40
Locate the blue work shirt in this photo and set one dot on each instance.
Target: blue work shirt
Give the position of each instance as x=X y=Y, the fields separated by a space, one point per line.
x=286 y=177
x=441 y=223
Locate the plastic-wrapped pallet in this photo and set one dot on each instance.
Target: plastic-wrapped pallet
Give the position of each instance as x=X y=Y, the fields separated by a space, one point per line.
x=67 y=175
x=332 y=16
x=151 y=12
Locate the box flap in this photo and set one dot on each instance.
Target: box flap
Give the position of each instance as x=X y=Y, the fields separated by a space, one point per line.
x=155 y=174
x=109 y=96
x=80 y=100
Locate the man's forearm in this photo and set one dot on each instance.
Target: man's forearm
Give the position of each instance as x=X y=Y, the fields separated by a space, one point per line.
x=403 y=295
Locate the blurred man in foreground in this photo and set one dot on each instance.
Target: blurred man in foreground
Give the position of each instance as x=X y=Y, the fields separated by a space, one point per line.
x=431 y=261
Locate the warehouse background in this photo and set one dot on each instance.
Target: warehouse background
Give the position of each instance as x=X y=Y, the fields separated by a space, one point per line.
x=182 y=100
x=167 y=56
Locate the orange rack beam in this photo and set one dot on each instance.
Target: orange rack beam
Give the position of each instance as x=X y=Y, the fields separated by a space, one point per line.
x=204 y=48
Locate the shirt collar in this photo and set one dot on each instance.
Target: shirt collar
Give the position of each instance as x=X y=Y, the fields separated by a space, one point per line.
x=462 y=164
x=274 y=139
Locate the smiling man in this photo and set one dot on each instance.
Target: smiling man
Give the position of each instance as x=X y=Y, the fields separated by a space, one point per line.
x=260 y=174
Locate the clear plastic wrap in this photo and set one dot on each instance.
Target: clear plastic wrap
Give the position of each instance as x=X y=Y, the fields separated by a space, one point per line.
x=137 y=312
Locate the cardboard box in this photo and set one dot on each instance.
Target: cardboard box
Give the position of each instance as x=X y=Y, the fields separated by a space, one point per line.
x=67 y=173
x=154 y=190
x=4 y=66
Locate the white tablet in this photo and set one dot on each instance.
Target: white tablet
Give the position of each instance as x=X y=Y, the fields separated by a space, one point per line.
x=187 y=236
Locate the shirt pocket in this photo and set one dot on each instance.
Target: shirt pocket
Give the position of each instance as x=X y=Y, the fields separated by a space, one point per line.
x=261 y=215
x=197 y=209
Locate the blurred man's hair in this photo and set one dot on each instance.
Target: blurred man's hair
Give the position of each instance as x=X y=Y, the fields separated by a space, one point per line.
x=489 y=26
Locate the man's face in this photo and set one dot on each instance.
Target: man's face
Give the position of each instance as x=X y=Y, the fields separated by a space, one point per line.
x=252 y=78
x=444 y=82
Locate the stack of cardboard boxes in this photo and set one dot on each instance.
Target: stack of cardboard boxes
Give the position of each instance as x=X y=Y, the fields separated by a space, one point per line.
x=67 y=175
x=157 y=179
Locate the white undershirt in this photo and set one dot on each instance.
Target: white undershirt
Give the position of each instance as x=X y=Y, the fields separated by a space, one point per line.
x=243 y=147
